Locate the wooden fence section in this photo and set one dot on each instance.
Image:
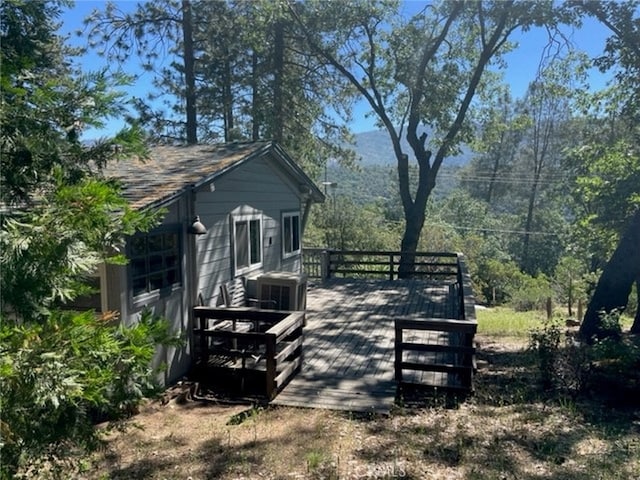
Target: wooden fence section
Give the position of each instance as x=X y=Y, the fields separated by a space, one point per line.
x=355 y=264
x=439 y=352
x=435 y=352
x=249 y=350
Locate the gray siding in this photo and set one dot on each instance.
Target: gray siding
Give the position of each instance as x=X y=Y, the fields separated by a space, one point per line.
x=253 y=188
x=257 y=186
x=175 y=306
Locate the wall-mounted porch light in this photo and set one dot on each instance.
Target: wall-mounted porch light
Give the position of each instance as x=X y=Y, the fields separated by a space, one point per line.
x=197 y=228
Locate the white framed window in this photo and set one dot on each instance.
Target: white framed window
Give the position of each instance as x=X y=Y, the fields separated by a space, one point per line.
x=247 y=240
x=154 y=262
x=290 y=234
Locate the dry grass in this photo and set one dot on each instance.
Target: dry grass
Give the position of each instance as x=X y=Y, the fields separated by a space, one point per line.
x=507 y=430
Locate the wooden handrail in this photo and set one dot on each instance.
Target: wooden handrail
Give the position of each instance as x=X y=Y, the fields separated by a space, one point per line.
x=437 y=324
x=467 y=299
x=456 y=358
x=396 y=253
x=287 y=325
x=240 y=313
x=378 y=262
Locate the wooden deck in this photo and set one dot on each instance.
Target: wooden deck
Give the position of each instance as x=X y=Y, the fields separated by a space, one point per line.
x=349 y=341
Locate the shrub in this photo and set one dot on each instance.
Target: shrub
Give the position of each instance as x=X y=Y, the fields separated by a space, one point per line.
x=60 y=376
x=545 y=342
x=564 y=364
x=572 y=367
x=530 y=293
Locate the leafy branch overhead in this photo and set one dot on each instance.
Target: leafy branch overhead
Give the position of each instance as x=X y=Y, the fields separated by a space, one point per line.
x=51 y=250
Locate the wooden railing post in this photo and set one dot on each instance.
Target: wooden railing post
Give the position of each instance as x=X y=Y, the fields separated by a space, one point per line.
x=271 y=365
x=398 y=352
x=391 y=266
x=460 y=286
x=204 y=343
x=325 y=268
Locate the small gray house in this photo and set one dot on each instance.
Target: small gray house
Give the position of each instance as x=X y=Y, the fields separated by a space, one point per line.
x=252 y=199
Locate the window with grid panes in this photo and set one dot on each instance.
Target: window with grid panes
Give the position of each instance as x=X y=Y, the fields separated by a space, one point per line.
x=154 y=262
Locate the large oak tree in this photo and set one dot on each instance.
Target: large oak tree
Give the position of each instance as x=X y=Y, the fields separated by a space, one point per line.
x=419 y=76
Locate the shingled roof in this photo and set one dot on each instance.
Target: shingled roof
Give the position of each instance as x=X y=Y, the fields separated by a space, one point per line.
x=170 y=170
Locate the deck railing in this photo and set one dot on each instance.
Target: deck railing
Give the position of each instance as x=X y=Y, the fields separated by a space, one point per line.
x=269 y=349
x=326 y=263
x=445 y=347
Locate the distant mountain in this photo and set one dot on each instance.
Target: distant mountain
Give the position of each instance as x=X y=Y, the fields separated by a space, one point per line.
x=374 y=148
x=376 y=179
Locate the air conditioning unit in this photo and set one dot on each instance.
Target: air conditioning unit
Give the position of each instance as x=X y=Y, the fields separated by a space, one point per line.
x=287 y=290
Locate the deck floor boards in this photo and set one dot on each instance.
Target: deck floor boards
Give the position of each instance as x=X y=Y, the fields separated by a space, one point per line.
x=349 y=341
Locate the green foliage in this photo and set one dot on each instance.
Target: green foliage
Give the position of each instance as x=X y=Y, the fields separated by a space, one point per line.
x=341 y=224
x=529 y=293
x=48 y=252
x=606 y=192
x=60 y=376
x=571 y=367
x=610 y=327
x=60 y=371
x=570 y=281
x=632 y=306
x=622 y=50
x=618 y=357
x=494 y=279
x=46 y=104
x=546 y=343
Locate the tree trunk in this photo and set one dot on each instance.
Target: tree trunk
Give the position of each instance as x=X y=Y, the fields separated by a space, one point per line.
x=227 y=97
x=409 y=245
x=189 y=73
x=278 y=78
x=525 y=263
x=255 y=99
x=614 y=286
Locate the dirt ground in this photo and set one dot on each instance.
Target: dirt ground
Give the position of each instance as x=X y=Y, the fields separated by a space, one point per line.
x=506 y=430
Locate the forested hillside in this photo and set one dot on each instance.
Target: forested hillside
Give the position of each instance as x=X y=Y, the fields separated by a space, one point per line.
x=375 y=148
x=373 y=177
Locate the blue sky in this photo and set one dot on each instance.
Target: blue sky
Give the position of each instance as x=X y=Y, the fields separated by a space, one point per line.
x=522 y=63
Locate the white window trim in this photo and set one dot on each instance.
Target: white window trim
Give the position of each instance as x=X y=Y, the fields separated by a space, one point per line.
x=247 y=218
x=293 y=253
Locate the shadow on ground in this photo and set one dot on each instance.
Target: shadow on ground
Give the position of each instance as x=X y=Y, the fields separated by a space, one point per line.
x=511 y=428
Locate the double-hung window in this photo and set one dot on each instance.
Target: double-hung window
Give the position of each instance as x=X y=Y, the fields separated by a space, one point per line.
x=154 y=262
x=290 y=234
x=247 y=234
